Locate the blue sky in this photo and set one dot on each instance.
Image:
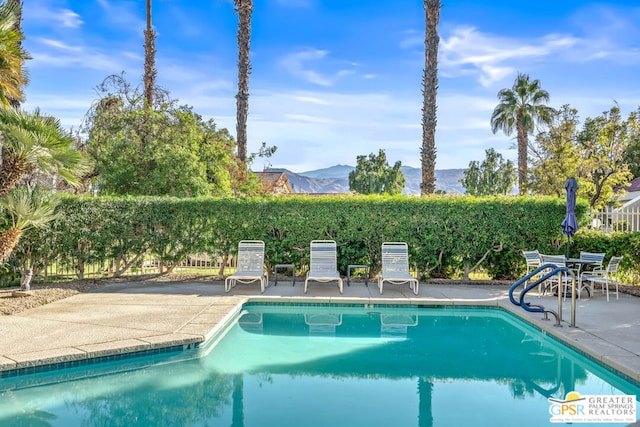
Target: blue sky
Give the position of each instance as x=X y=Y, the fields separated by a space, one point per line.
x=333 y=79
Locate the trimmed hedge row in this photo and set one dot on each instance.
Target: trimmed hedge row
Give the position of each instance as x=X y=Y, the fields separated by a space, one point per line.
x=446 y=235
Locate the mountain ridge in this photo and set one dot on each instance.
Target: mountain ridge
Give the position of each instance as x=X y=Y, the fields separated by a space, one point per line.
x=335 y=179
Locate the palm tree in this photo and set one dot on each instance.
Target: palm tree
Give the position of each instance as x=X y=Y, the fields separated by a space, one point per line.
x=149 y=80
x=30 y=141
x=429 y=91
x=24 y=209
x=521 y=108
x=150 y=71
x=13 y=74
x=244 y=9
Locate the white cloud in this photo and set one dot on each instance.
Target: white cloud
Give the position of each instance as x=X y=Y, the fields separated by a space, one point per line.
x=297 y=63
x=41 y=12
x=59 y=45
x=80 y=59
x=124 y=15
x=492 y=58
x=412 y=39
x=312 y=100
x=307 y=118
x=68 y=18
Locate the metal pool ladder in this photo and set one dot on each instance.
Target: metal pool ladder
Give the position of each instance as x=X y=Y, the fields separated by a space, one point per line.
x=538 y=308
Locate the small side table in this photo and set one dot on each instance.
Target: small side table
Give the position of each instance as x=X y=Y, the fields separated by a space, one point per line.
x=284 y=267
x=355 y=266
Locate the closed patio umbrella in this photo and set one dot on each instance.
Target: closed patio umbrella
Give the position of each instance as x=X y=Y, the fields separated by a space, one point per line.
x=570 y=223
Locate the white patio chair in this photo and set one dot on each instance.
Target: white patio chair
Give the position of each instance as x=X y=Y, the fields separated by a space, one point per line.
x=560 y=282
x=250 y=265
x=533 y=260
x=592 y=259
x=604 y=277
x=323 y=266
x=395 y=266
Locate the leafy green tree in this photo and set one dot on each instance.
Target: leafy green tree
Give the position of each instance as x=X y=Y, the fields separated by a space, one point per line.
x=554 y=155
x=520 y=109
x=493 y=176
x=13 y=74
x=184 y=156
x=429 y=92
x=373 y=175
x=632 y=152
x=602 y=143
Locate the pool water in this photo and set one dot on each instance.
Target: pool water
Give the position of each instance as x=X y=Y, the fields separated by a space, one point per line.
x=327 y=365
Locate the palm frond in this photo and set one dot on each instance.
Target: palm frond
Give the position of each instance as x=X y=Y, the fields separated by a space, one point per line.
x=29 y=208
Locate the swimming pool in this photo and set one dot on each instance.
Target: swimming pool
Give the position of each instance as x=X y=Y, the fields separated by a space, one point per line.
x=319 y=365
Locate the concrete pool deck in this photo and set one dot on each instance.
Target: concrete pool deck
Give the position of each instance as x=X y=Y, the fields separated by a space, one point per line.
x=136 y=316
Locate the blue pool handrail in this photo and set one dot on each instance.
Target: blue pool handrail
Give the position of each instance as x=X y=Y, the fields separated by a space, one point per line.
x=554 y=270
x=537 y=308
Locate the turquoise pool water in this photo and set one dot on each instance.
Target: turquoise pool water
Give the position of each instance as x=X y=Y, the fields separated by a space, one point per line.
x=327 y=366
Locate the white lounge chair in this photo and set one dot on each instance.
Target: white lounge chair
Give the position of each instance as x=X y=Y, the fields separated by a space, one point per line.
x=395 y=266
x=250 y=265
x=323 y=266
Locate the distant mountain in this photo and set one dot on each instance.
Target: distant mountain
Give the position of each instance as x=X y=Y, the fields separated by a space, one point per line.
x=447 y=180
x=337 y=171
x=335 y=179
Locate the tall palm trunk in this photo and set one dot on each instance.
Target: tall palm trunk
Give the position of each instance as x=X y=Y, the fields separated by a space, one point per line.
x=149 y=59
x=149 y=75
x=244 y=8
x=523 y=151
x=429 y=91
x=11 y=172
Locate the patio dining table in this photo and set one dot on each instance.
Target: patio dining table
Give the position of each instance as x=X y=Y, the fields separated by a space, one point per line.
x=580 y=262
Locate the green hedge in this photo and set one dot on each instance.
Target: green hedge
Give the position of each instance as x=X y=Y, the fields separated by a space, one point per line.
x=619 y=243
x=446 y=235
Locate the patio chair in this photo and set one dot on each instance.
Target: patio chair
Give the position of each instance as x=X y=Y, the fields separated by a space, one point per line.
x=323 y=263
x=560 y=280
x=395 y=266
x=589 y=259
x=250 y=265
x=532 y=259
x=604 y=277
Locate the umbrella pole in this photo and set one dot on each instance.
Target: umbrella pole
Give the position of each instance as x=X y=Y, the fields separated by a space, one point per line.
x=568 y=243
